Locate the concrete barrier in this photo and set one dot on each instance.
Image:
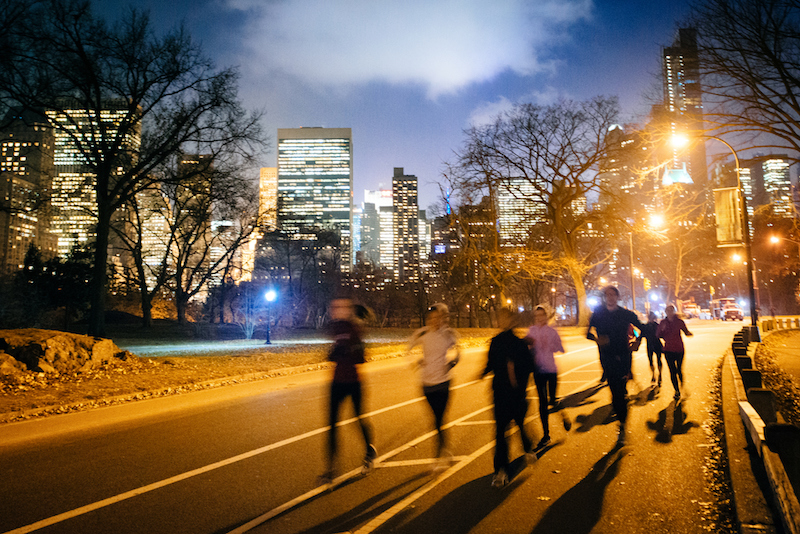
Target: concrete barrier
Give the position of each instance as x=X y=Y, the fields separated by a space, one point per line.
x=777 y=444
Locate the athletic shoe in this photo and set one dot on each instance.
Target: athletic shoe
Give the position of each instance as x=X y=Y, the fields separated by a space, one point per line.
x=531 y=457
x=566 y=420
x=544 y=442
x=677 y=395
x=499 y=479
x=443 y=461
x=369 y=459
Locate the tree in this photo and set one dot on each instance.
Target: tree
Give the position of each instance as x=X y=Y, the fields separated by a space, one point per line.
x=61 y=57
x=554 y=151
x=750 y=58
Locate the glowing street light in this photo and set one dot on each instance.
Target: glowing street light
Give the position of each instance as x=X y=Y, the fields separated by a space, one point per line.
x=679 y=141
x=271 y=295
x=777 y=239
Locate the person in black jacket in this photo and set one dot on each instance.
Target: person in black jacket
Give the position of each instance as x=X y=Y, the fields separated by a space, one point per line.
x=511 y=363
x=612 y=325
x=654 y=347
x=348 y=353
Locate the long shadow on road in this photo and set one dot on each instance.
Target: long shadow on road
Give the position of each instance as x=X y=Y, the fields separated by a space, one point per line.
x=462 y=509
x=579 y=509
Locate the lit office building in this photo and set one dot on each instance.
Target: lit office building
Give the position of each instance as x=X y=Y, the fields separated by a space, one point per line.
x=766 y=182
x=406 y=226
x=377 y=228
x=517 y=212
x=315 y=184
x=268 y=198
x=683 y=106
x=74 y=198
x=386 y=236
x=26 y=166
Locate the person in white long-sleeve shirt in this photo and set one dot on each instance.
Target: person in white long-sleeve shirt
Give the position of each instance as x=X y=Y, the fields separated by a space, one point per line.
x=436 y=339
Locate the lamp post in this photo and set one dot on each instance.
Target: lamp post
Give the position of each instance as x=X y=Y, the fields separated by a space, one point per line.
x=633 y=281
x=754 y=336
x=271 y=295
x=777 y=239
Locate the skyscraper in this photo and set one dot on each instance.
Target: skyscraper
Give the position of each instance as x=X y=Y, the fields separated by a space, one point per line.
x=683 y=104
x=74 y=198
x=26 y=167
x=268 y=198
x=406 y=226
x=766 y=182
x=315 y=184
x=517 y=212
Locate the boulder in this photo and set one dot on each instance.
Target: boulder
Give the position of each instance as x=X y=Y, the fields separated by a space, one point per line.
x=10 y=365
x=52 y=351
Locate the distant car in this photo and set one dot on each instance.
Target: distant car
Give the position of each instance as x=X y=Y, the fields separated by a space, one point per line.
x=691 y=310
x=732 y=313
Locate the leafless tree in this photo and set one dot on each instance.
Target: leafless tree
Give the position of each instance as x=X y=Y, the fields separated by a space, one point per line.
x=750 y=59
x=63 y=57
x=554 y=151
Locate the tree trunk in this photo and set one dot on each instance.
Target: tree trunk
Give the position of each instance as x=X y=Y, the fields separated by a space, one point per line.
x=97 y=299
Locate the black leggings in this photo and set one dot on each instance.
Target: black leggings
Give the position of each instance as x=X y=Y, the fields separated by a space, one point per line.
x=546 y=388
x=675 y=364
x=509 y=408
x=438 y=396
x=339 y=392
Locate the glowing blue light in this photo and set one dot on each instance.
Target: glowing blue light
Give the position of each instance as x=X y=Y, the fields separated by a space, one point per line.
x=654 y=297
x=593 y=302
x=271 y=295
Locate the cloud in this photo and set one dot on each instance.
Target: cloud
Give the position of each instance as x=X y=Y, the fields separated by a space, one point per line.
x=440 y=45
x=487 y=112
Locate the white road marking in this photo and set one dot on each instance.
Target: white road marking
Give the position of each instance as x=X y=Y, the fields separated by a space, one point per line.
x=255 y=452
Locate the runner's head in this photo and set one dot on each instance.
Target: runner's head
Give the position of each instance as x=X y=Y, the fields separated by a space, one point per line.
x=506 y=318
x=611 y=297
x=438 y=315
x=540 y=316
x=670 y=311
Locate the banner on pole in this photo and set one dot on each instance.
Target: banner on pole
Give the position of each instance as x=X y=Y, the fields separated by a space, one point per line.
x=727 y=207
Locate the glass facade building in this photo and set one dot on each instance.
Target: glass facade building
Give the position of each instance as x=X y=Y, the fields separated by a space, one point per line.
x=315 y=184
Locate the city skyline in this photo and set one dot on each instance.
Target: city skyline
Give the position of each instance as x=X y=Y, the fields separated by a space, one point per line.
x=407 y=85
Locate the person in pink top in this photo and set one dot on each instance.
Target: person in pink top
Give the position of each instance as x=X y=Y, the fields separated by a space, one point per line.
x=670 y=331
x=545 y=342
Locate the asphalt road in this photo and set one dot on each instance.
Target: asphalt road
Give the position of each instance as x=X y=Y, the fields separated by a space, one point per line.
x=246 y=459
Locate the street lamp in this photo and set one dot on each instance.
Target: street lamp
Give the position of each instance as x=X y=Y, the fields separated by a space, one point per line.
x=777 y=239
x=754 y=336
x=271 y=295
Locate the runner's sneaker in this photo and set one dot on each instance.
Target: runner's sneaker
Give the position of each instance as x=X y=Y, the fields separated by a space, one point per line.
x=544 y=442
x=531 y=457
x=369 y=459
x=499 y=479
x=677 y=395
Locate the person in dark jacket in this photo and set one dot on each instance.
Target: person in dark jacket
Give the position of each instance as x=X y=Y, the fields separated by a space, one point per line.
x=510 y=361
x=348 y=353
x=654 y=347
x=612 y=324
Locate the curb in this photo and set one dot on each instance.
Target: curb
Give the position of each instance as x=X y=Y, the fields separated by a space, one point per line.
x=753 y=512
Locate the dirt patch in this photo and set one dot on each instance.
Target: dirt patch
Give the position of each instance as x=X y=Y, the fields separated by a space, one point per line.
x=785 y=388
x=138 y=378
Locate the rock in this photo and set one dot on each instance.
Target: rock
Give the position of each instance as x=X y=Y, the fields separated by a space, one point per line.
x=52 y=351
x=10 y=365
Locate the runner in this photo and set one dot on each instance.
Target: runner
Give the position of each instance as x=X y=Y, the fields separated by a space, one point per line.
x=347 y=352
x=545 y=342
x=436 y=339
x=670 y=331
x=510 y=361
x=612 y=324
x=654 y=347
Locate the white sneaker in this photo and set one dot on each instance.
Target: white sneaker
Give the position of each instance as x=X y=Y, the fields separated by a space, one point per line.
x=621 y=437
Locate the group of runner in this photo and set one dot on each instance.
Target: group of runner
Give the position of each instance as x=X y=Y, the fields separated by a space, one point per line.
x=511 y=360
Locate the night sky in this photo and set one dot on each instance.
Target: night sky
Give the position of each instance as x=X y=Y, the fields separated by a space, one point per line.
x=409 y=75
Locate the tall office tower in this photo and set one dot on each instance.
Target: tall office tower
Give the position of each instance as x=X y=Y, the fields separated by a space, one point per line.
x=370 y=235
x=386 y=236
x=424 y=236
x=268 y=198
x=315 y=184
x=358 y=213
x=406 y=226
x=377 y=235
x=74 y=198
x=683 y=104
x=516 y=212
x=26 y=167
x=766 y=182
